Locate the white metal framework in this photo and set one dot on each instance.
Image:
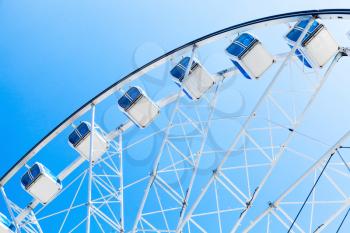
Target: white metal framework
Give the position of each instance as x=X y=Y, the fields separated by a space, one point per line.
x=203 y=164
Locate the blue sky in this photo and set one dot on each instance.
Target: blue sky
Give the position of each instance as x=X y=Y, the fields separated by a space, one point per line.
x=56 y=55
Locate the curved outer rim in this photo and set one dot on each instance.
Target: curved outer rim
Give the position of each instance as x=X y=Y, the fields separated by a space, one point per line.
x=266 y=21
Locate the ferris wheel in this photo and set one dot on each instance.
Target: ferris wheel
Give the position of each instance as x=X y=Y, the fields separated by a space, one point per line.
x=232 y=132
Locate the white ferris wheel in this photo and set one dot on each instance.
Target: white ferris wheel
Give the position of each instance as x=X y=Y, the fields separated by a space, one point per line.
x=223 y=134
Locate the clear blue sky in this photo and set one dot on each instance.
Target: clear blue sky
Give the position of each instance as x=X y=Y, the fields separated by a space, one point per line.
x=56 y=55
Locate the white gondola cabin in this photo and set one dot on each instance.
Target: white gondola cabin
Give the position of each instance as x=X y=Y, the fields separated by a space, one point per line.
x=249 y=56
x=80 y=140
x=138 y=107
x=5 y=225
x=40 y=183
x=317 y=47
x=198 y=80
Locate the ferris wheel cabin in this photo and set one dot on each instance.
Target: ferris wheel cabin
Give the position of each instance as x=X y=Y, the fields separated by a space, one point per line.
x=198 y=80
x=80 y=140
x=317 y=47
x=40 y=183
x=5 y=225
x=249 y=56
x=138 y=107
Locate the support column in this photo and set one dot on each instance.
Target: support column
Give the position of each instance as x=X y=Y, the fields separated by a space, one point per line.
x=89 y=204
x=121 y=177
